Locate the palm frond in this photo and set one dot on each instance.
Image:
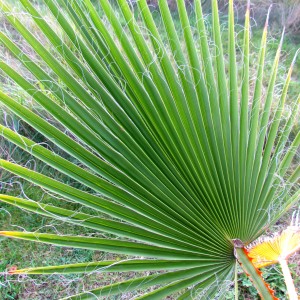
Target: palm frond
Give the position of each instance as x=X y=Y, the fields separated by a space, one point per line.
x=163 y=133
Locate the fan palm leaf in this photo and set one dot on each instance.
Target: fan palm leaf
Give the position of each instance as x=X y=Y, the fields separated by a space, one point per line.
x=171 y=148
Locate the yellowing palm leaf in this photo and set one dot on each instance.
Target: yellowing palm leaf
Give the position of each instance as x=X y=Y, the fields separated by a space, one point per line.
x=271 y=251
x=277 y=250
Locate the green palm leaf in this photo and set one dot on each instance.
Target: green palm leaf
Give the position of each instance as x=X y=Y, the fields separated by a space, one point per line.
x=166 y=141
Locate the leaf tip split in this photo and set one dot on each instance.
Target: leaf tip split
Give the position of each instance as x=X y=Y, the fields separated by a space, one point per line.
x=8 y=233
x=248 y=5
x=294 y=60
x=13 y=270
x=3 y=233
x=268 y=16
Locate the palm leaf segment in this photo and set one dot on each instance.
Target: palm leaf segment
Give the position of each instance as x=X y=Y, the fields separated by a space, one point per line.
x=167 y=145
